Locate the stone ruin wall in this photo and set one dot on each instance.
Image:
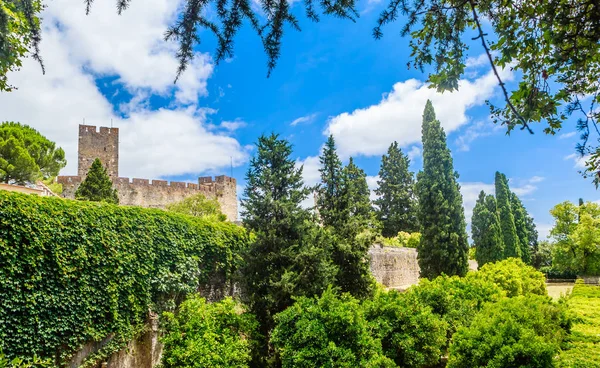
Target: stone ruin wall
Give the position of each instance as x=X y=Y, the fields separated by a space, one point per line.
x=397 y=268
x=159 y=193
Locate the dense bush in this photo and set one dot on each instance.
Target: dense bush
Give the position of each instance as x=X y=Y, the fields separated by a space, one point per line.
x=403 y=239
x=513 y=276
x=455 y=299
x=410 y=334
x=329 y=331
x=552 y=273
x=524 y=331
x=208 y=335
x=74 y=272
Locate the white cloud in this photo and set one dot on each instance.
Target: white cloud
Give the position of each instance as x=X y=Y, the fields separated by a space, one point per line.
x=413 y=153
x=372 y=184
x=310 y=171
x=398 y=116
x=233 y=125
x=578 y=160
x=536 y=179
x=477 y=61
x=567 y=135
x=129 y=45
x=304 y=119
x=474 y=131
x=153 y=143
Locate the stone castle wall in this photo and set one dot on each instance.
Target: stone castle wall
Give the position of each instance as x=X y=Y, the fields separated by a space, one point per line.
x=159 y=193
x=397 y=268
x=104 y=144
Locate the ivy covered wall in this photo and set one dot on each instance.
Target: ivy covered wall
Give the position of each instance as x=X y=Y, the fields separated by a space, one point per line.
x=74 y=272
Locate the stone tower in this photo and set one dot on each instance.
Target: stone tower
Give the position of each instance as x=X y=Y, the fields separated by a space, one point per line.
x=103 y=145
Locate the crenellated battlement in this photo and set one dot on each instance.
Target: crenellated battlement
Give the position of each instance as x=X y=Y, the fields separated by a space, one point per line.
x=103 y=143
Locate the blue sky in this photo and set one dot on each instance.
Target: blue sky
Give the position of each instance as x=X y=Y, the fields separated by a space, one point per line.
x=332 y=77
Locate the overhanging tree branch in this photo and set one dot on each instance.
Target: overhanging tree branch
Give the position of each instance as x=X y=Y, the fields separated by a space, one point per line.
x=481 y=36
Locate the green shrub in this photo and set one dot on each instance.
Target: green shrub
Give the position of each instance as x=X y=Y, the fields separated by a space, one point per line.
x=524 y=331
x=403 y=239
x=329 y=331
x=455 y=299
x=410 y=334
x=74 y=272
x=552 y=273
x=513 y=276
x=207 y=335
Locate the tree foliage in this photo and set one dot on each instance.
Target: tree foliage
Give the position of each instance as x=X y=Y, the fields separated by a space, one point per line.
x=514 y=277
x=512 y=245
x=396 y=202
x=410 y=334
x=199 y=206
x=74 y=272
x=97 y=186
x=486 y=233
x=328 y=331
x=205 y=334
x=443 y=247
x=291 y=254
x=19 y=36
x=360 y=211
x=521 y=225
x=576 y=234
x=344 y=209
x=515 y=332
x=332 y=201
x=26 y=155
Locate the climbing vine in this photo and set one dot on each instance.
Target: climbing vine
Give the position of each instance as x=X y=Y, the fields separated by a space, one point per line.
x=75 y=272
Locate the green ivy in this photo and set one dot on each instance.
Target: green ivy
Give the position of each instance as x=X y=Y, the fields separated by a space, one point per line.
x=74 y=272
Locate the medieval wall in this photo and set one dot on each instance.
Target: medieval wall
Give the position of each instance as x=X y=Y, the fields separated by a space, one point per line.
x=159 y=193
x=397 y=268
x=103 y=144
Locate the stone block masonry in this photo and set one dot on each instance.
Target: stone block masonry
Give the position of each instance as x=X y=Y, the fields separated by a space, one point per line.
x=104 y=144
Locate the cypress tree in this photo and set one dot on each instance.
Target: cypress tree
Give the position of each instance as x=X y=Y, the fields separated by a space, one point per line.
x=512 y=247
x=396 y=205
x=291 y=254
x=520 y=215
x=330 y=196
x=485 y=229
x=443 y=247
x=356 y=190
x=97 y=186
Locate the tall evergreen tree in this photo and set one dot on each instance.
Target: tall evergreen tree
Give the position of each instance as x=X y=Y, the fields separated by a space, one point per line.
x=520 y=215
x=357 y=194
x=443 y=247
x=330 y=197
x=291 y=254
x=512 y=247
x=97 y=186
x=396 y=205
x=485 y=228
x=351 y=252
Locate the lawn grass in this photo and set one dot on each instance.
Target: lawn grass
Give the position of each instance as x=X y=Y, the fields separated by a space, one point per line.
x=582 y=346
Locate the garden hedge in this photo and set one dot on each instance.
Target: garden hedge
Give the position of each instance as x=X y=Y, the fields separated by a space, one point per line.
x=72 y=272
